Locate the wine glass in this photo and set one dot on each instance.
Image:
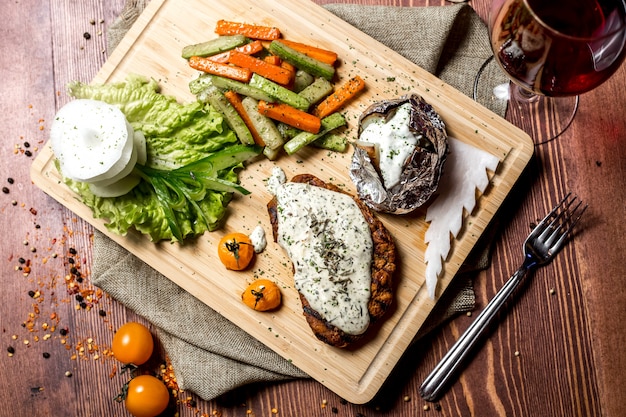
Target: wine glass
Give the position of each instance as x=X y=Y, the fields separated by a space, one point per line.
x=552 y=51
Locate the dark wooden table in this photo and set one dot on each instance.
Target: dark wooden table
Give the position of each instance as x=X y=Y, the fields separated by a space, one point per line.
x=559 y=351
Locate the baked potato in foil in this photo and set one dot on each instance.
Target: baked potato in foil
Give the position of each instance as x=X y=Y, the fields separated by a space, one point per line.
x=399 y=155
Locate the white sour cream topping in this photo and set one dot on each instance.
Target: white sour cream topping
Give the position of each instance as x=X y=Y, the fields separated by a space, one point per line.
x=277 y=179
x=330 y=244
x=395 y=142
x=257 y=237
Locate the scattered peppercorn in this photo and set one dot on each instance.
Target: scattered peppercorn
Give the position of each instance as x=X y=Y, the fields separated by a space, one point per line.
x=10 y=180
x=79 y=298
x=11 y=350
x=72 y=251
x=5 y=190
x=31 y=293
x=46 y=355
x=102 y=313
x=28 y=153
x=71 y=260
x=437 y=407
x=83 y=305
x=87 y=35
x=63 y=332
x=22 y=260
x=26 y=144
x=334 y=410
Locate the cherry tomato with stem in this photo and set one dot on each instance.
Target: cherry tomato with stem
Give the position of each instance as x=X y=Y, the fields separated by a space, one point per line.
x=236 y=251
x=145 y=396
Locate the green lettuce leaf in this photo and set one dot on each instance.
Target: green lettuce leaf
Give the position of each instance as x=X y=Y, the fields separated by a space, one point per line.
x=177 y=135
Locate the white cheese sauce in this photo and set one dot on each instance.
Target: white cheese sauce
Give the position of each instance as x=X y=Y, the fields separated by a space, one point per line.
x=277 y=179
x=394 y=140
x=330 y=244
x=257 y=237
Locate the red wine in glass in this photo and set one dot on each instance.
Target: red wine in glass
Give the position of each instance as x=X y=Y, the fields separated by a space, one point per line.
x=558 y=48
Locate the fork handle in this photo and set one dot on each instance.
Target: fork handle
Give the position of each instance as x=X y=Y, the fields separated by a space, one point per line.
x=434 y=383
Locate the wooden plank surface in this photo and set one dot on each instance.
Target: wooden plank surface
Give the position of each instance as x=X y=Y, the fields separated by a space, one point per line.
x=152 y=48
x=570 y=361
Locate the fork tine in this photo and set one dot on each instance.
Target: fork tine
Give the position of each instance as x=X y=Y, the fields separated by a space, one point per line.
x=552 y=230
x=540 y=229
x=552 y=212
x=573 y=222
x=571 y=217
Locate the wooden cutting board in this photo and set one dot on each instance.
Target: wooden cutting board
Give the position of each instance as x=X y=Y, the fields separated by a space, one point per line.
x=152 y=48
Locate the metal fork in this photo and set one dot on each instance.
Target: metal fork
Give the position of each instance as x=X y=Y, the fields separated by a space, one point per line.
x=540 y=247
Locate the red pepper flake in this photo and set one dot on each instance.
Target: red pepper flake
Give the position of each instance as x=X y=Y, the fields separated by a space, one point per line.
x=33 y=211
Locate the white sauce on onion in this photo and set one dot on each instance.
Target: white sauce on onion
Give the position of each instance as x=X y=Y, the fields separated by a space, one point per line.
x=330 y=244
x=394 y=140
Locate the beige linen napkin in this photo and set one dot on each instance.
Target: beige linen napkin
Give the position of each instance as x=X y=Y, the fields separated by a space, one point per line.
x=210 y=355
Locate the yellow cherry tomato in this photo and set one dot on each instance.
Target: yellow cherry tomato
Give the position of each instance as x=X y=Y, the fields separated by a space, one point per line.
x=147 y=396
x=235 y=250
x=133 y=344
x=262 y=295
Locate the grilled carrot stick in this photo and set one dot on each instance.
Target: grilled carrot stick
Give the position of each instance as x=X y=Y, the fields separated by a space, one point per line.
x=235 y=101
x=340 y=97
x=267 y=33
x=291 y=116
x=259 y=66
x=216 y=68
x=273 y=59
